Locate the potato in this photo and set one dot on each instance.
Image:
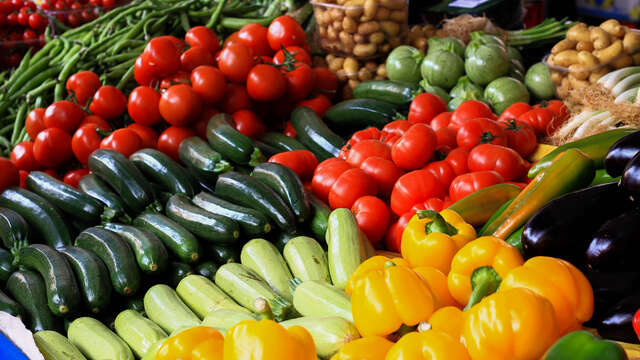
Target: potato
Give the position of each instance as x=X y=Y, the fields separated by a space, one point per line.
x=399 y=16
x=556 y=77
x=579 y=32
x=349 y=25
x=588 y=59
x=609 y=53
x=377 y=37
x=600 y=38
x=563 y=45
x=365 y=50
x=365 y=74
x=390 y=28
x=566 y=58
x=631 y=42
x=598 y=73
x=368 y=28
x=370 y=8
x=579 y=71
x=613 y=27
x=584 y=46
x=576 y=83
x=350 y=65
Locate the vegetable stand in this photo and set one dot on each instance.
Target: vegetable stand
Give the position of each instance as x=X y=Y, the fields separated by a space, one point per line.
x=249 y=179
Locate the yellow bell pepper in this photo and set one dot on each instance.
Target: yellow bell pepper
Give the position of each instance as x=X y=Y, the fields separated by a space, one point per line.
x=197 y=343
x=561 y=283
x=448 y=319
x=478 y=268
x=428 y=345
x=515 y=324
x=366 y=348
x=437 y=282
x=386 y=294
x=432 y=239
x=267 y=340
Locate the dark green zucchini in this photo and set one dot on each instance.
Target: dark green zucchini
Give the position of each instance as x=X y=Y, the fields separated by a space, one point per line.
x=394 y=92
x=177 y=272
x=92 y=276
x=63 y=295
x=360 y=114
x=319 y=218
x=266 y=149
x=116 y=255
x=161 y=169
x=253 y=193
x=10 y=306
x=287 y=184
x=120 y=173
x=232 y=144
x=136 y=304
x=14 y=230
x=280 y=239
x=207 y=269
x=150 y=252
x=252 y=222
x=198 y=156
x=204 y=224
x=175 y=237
x=281 y=141
x=7 y=266
x=314 y=134
x=92 y=185
x=222 y=254
x=65 y=197
x=40 y=215
x=28 y=290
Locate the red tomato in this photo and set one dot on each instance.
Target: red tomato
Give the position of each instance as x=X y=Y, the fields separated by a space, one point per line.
x=415 y=147
x=319 y=103
x=520 y=136
x=85 y=141
x=236 y=61
x=542 y=120
x=194 y=57
x=200 y=126
x=52 y=147
x=38 y=22
x=446 y=137
x=63 y=115
x=302 y=162
x=514 y=111
x=299 y=82
x=285 y=31
x=73 y=177
x=435 y=204
x=249 y=124
x=441 y=120
x=143 y=106
x=255 y=37
x=231 y=39
x=559 y=108
x=95 y=119
x=181 y=77
x=467 y=184
x=209 y=83
x=148 y=136
x=170 y=140
x=325 y=175
x=367 y=148
x=425 y=107
x=266 y=83
x=325 y=81
x=349 y=186
x=236 y=98
x=9 y=175
x=22 y=156
x=443 y=171
x=292 y=54
x=142 y=72
x=289 y=130
x=457 y=159
x=202 y=36
x=23 y=178
x=506 y=162
x=480 y=131
x=180 y=105
x=162 y=57
x=83 y=85
x=469 y=110
x=393 y=238
x=412 y=188
x=35 y=122
x=398 y=127
x=383 y=171
x=108 y=102
x=125 y=141
x=372 y=215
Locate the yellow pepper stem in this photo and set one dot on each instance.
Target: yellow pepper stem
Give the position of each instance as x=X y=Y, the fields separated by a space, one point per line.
x=484 y=282
x=263 y=309
x=437 y=224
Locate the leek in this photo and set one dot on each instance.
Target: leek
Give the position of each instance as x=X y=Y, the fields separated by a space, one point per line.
x=627 y=83
x=610 y=80
x=627 y=96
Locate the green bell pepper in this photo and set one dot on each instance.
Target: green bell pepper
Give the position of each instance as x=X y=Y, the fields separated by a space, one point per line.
x=582 y=345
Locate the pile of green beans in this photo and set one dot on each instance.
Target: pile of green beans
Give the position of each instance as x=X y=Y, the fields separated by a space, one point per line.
x=109 y=46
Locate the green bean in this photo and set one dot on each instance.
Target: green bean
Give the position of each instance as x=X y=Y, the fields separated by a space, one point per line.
x=5 y=144
x=216 y=14
x=40 y=100
x=135 y=30
x=26 y=75
x=238 y=23
x=47 y=85
x=64 y=74
x=6 y=129
x=121 y=57
x=65 y=48
x=22 y=111
x=128 y=12
x=126 y=78
x=184 y=21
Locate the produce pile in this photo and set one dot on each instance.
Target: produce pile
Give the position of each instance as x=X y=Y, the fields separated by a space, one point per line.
x=187 y=180
x=22 y=26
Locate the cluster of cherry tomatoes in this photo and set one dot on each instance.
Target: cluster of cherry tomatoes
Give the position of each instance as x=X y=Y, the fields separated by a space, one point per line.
x=431 y=160
x=73 y=13
x=22 y=26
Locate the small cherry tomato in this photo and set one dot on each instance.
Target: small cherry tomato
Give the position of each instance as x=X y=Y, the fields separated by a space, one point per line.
x=180 y=105
x=285 y=31
x=299 y=82
x=255 y=37
x=9 y=175
x=108 y=102
x=95 y=119
x=85 y=141
x=292 y=54
x=325 y=82
x=143 y=106
x=148 y=136
x=83 y=85
x=52 y=147
x=195 y=57
x=236 y=61
x=202 y=36
x=162 y=56
x=209 y=83
x=73 y=177
x=319 y=103
x=125 y=141
x=35 y=122
x=22 y=156
x=266 y=83
x=302 y=162
x=171 y=138
x=236 y=99
x=63 y=115
x=249 y=124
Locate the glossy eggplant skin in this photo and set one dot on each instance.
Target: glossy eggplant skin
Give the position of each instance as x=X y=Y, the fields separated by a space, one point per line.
x=630 y=181
x=617 y=322
x=565 y=226
x=615 y=245
x=608 y=289
x=621 y=152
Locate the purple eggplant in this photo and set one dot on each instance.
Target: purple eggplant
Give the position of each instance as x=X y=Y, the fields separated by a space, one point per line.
x=615 y=245
x=621 y=153
x=617 y=323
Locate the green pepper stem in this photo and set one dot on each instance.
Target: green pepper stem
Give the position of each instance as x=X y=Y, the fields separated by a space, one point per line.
x=437 y=224
x=484 y=282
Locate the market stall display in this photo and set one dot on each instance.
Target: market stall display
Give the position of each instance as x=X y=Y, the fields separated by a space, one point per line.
x=241 y=179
